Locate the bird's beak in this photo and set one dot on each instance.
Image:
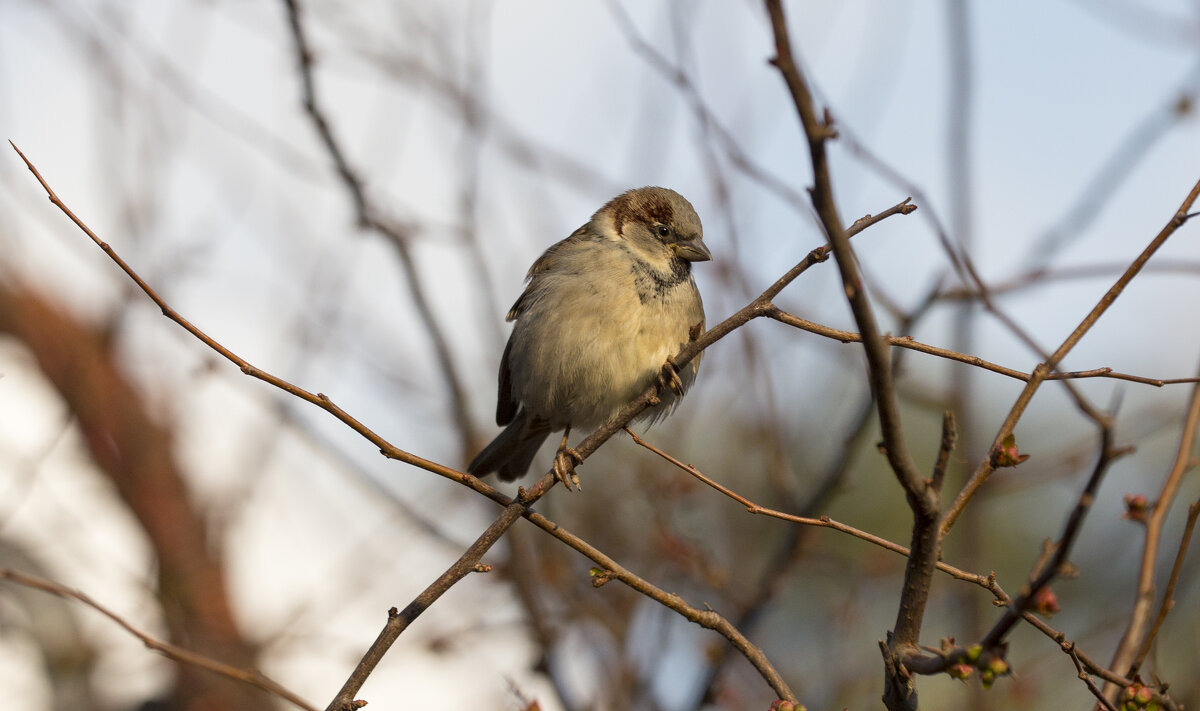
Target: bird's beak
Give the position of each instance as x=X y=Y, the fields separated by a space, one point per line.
x=693 y=250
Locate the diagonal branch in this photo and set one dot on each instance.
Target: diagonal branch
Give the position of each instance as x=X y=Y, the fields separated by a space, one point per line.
x=1040 y=578
x=253 y=677
x=1168 y=599
x=1043 y=370
x=396 y=234
x=1140 y=618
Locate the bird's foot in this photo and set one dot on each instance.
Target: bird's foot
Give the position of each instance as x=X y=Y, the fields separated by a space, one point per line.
x=668 y=377
x=564 y=467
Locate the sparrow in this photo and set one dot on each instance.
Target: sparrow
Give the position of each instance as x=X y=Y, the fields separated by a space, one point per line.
x=602 y=315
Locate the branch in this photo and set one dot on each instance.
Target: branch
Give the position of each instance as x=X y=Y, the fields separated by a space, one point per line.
x=914 y=662
x=1168 y=600
x=1041 y=575
x=514 y=509
x=923 y=499
x=369 y=217
x=1044 y=369
x=814 y=521
x=397 y=622
x=879 y=365
x=1132 y=639
x=253 y=677
x=318 y=399
x=909 y=343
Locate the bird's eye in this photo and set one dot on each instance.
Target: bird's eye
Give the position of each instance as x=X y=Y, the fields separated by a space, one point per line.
x=663 y=230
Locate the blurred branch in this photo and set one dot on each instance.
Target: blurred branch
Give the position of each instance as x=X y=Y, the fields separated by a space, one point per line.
x=1045 y=276
x=1043 y=370
x=98 y=31
x=1145 y=22
x=677 y=77
x=920 y=663
x=1140 y=617
x=135 y=452
x=253 y=677
x=1117 y=167
x=396 y=234
x=1039 y=579
x=923 y=499
x=1168 y=599
x=907 y=342
x=511 y=141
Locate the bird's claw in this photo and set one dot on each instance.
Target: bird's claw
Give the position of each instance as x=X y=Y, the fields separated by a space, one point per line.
x=564 y=467
x=669 y=377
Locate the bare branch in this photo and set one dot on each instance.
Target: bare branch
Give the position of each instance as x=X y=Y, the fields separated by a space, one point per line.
x=1168 y=600
x=907 y=342
x=1135 y=635
x=397 y=622
x=1042 y=574
x=253 y=677
x=924 y=501
x=397 y=235
x=949 y=438
x=1044 y=369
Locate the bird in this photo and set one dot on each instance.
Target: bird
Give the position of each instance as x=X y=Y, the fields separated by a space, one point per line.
x=601 y=316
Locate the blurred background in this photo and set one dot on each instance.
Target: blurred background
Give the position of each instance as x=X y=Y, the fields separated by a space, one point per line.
x=1049 y=141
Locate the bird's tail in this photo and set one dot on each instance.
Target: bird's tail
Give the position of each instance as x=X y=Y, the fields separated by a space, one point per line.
x=511 y=453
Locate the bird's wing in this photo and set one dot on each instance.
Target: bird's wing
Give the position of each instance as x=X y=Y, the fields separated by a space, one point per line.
x=506 y=406
x=548 y=261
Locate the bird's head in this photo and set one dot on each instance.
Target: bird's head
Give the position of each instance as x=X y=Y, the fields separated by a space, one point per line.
x=659 y=225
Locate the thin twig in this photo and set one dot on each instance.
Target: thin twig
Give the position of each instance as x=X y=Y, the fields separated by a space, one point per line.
x=1168 y=600
x=389 y=450
x=253 y=677
x=1132 y=640
x=1091 y=685
x=1045 y=571
x=369 y=217
x=1044 y=369
x=949 y=438
x=907 y=342
x=816 y=521
x=988 y=582
x=397 y=622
